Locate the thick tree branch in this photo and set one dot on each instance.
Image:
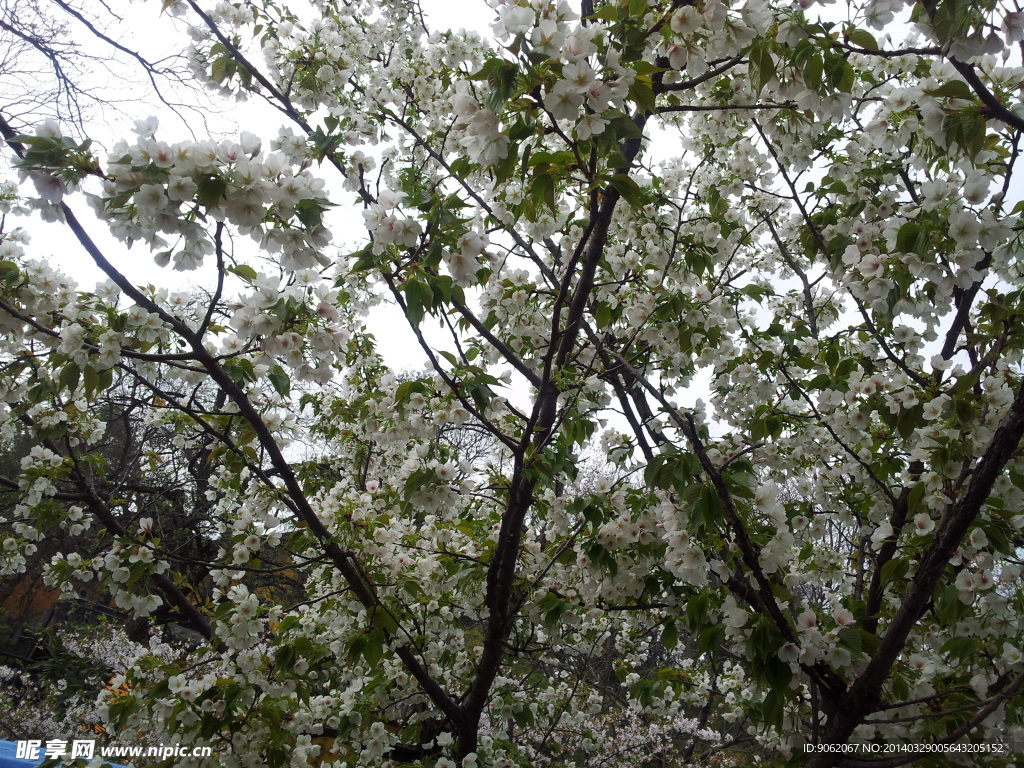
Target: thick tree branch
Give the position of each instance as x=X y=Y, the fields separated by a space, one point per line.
x=863 y=696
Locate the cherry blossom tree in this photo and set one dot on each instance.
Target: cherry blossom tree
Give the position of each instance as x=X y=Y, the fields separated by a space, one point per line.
x=812 y=559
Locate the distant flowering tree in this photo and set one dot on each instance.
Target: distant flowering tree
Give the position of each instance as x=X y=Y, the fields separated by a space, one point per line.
x=54 y=698
x=817 y=561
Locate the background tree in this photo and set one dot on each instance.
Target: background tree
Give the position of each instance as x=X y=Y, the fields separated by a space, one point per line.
x=833 y=240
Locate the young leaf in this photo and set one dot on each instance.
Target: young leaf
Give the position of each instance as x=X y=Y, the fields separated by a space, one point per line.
x=761 y=65
x=629 y=190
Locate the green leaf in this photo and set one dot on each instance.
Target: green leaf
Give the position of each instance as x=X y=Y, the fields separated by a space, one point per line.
x=209 y=725
x=629 y=189
x=670 y=635
x=821 y=381
x=813 y=72
x=311 y=211
x=966 y=128
x=505 y=167
x=845 y=367
x=104 y=380
x=553 y=610
x=489 y=66
x=707 y=510
x=961 y=647
x=96 y=381
x=710 y=639
x=914 y=498
x=69 y=376
x=625 y=127
x=869 y=642
x=503 y=80
x=756 y=292
x=542 y=191
x=240 y=370
x=607 y=12
x=416 y=481
x=355 y=647
x=863 y=38
x=373 y=650
x=364 y=259
x=842 y=76
x=906 y=238
x=949 y=19
x=948 y=607
x=211 y=190
x=894 y=570
x=9 y=271
x=92 y=380
x=717 y=205
x=324 y=144
x=220 y=68
x=908 y=420
x=773 y=708
x=280 y=380
x=460 y=167
x=697 y=612
x=777 y=673
x=849 y=638
x=244 y=271
x=285 y=657
x=524 y=718
x=952 y=89
x=381 y=619
x=761 y=65
x=417 y=296
x=642 y=95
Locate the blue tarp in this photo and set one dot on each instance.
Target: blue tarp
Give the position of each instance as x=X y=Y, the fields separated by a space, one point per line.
x=9 y=758
x=8 y=750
